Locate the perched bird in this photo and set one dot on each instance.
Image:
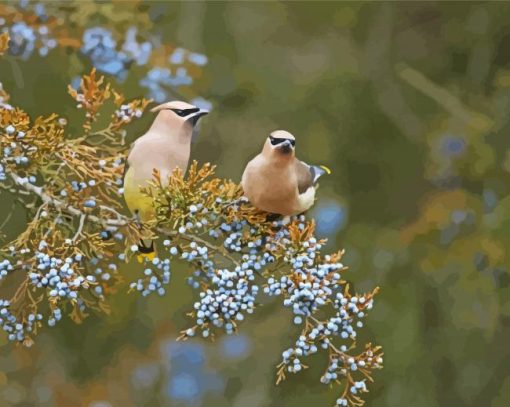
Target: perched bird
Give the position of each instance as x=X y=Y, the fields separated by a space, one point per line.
x=276 y=181
x=165 y=146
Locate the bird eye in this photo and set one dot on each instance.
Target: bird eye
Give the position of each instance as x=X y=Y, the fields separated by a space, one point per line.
x=185 y=112
x=179 y=112
x=275 y=141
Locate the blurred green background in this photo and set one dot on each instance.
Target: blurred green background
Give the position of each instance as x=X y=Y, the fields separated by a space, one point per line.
x=408 y=104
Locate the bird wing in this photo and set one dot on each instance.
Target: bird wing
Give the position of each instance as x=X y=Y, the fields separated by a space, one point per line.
x=126 y=162
x=304 y=176
x=308 y=175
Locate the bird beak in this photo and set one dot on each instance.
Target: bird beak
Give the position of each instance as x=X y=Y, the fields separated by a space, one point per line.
x=285 y=147
x=196 y=116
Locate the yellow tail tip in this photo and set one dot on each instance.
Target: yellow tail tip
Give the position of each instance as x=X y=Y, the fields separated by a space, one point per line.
x=145 y=257
x=328 y=171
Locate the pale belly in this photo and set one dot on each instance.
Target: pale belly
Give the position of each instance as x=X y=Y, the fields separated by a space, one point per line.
x=138 y=203
x=274 y=198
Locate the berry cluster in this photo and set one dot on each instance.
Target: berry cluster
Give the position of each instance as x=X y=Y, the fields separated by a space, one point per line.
x=222 y=306
x=26 y=39
x=100 y=46
x=156 y=277
x=110 y=52
x=126 y=113
x=59 y=276
x=17 y=330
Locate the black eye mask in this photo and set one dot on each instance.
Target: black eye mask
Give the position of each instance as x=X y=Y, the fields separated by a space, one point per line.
x=275 y=141
x=185 y=112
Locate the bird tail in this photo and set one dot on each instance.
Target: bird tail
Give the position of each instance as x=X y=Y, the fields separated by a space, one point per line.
x=318 y=171
x=147 y=250
x=326 y=169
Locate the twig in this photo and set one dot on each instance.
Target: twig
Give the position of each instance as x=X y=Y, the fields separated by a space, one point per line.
x=217 y=249
x=80 y=227
x=9 y=215
x=333 y=347
x=121 y=220
x=108 y=209
x=48 y=199
x=440 y=95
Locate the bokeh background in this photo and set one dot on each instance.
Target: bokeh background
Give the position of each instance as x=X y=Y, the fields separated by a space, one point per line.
x=407 y=103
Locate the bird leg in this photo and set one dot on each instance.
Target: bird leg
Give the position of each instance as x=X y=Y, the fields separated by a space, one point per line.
x=147 y=251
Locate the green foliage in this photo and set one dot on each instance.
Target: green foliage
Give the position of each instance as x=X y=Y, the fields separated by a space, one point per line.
x=406 y=103
x=72 y=251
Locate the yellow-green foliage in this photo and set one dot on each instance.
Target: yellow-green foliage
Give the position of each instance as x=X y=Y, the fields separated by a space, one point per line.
x=68 y=261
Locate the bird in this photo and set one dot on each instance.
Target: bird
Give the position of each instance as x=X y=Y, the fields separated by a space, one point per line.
x=276 y=181
x=164 y=147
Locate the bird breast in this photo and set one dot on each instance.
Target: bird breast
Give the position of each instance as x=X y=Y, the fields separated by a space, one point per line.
x=159 y=155
x=271 y=189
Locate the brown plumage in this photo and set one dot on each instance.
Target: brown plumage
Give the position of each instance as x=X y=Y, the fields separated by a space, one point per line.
x=276 y=181
x=165 y=146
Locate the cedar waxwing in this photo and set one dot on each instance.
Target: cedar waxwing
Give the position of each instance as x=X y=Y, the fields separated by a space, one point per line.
x=276 y=181
x=165 y=146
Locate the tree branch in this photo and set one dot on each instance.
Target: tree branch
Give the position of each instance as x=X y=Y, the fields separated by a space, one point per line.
x=80 y=227
x=120 y=220
x=48 y=199
x=218 y=249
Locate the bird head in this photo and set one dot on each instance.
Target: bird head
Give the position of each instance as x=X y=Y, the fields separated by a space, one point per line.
x=280 y=144
x=177 y=113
